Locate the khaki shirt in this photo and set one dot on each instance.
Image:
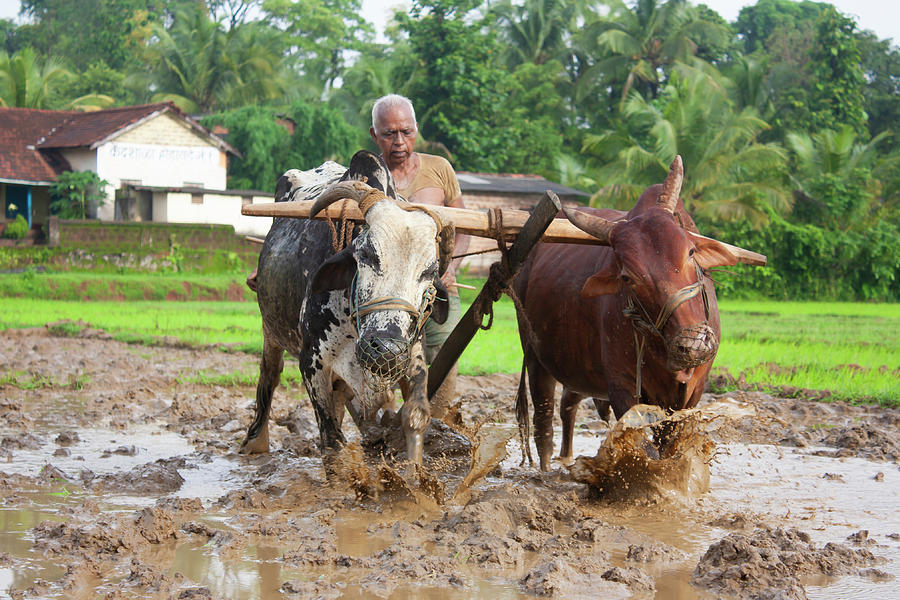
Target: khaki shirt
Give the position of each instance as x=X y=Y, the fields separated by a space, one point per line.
x=434 y=172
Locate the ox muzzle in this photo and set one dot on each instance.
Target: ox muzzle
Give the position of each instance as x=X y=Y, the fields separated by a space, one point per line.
x=690 y=346
x=385 y=355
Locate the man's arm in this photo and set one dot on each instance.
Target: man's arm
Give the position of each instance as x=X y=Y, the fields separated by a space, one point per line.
x=461 y=241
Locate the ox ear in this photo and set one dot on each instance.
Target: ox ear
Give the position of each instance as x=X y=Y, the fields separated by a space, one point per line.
x=605 y=281
x=282 y=188
x=336 y=273
x=440 y=308
x=711 y=253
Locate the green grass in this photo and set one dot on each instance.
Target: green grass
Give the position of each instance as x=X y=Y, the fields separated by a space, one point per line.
x=230 y=325
x=33 y=381
x=125 y=286
x=289 y=377
x=850 y=350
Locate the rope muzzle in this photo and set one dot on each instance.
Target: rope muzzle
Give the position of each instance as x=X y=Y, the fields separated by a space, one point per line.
x=689 y=348
x=385 y=358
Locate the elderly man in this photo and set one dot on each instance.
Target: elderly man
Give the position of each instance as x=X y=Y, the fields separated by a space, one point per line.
x=425 y=179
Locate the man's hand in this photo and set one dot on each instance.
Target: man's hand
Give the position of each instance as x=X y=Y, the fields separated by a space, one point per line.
x=448 y=278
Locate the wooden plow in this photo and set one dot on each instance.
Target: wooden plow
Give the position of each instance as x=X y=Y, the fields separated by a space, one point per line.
x=523 y=229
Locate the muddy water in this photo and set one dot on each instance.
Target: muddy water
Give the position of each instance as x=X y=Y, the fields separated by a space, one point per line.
x=131 y=488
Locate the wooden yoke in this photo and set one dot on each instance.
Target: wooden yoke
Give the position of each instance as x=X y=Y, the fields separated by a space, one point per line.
x=467 y=221
x=529 y=235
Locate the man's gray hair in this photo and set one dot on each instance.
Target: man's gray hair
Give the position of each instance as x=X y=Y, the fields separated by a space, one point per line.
x=392 y=101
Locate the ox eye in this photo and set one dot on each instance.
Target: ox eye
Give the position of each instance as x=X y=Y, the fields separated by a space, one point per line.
x=430 y=272
x=691 y=252
x=625 y=278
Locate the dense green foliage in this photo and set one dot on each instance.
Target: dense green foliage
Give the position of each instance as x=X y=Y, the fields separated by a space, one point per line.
x=785 y=117
x=17 y=229
x=75 y=194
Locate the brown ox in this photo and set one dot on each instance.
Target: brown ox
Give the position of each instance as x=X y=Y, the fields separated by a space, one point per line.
x=634 y=321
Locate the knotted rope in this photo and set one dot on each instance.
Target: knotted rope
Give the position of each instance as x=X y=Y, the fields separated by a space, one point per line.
x=340 y=240
x=642 y=324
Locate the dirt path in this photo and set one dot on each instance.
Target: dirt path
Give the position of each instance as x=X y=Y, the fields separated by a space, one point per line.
x=119 y=478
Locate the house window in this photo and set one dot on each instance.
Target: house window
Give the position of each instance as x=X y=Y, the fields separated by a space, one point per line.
x=197 y=198
x=132 y=182
x=246 y=199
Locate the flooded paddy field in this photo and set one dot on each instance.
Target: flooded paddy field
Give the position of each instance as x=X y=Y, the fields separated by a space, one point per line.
x=119 y=480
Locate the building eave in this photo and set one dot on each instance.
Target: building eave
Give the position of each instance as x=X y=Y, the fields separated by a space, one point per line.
x=25 y=182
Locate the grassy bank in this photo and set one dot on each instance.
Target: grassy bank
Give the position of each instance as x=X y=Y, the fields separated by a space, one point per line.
x=132 y=286
x=843 y=351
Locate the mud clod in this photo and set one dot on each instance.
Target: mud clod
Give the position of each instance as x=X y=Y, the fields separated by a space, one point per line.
x=314 y=590
x=771 y=561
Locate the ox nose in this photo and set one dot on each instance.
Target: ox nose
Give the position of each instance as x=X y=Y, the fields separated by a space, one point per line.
x=385 y=357
x=691 y=347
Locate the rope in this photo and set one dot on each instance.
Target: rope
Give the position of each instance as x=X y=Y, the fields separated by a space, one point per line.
x=369 y=199
x=642 y=325
x=340 y=240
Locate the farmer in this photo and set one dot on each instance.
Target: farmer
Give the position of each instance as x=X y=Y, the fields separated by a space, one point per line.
x=424 y=179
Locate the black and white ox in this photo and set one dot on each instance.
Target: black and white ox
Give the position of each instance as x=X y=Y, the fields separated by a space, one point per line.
x=352 y=317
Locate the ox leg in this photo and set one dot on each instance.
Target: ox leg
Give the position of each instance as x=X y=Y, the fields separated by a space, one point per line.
x=415 y=413
x=361 y=408
x=603 y=408
x=620 y=399
x=542 y=387
x=568 y=409
x=270 y=367
x=328 y=414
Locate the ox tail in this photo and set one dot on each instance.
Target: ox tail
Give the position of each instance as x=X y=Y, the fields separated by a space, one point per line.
x=522 y=414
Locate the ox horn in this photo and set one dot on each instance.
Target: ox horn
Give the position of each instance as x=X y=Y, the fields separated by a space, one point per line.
x=342 y=190
x=598 y=227
x=446 y=242
x=672 y=186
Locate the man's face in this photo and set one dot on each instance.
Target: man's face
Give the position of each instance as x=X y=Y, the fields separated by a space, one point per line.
x=395 y=134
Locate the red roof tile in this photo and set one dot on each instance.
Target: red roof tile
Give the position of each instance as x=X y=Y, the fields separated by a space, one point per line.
x=85 y=128
x=20 y=128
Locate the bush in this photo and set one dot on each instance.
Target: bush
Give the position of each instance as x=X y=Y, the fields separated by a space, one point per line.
x=17 y=229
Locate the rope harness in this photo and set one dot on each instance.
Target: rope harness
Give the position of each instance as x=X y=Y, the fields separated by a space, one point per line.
x=642 y=324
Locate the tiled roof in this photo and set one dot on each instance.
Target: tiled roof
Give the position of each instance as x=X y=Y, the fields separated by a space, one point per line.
x=82 y=129
x=512 y=184
x=20 y=128
x=29 y=138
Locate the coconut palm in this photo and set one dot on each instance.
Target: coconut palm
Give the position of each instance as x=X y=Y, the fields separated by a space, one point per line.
x=839 y=178
x=535 y=31
x=27 y=82
x=201 y=67
x=636 y=44
x=729 y=175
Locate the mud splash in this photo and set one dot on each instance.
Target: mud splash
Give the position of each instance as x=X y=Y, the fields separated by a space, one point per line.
x=650 y=455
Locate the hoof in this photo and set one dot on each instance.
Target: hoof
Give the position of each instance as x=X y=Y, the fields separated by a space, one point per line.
x=566 y=461
x=257 y=445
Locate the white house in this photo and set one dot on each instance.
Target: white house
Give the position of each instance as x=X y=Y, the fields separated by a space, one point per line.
x=178 y=166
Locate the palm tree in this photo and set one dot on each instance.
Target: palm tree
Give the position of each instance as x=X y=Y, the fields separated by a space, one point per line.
x=838 y=179
x=369 y=78
x=201 y=67
x=27 y=83
x=729 y=175
x=637 y=44
x=535 y=31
